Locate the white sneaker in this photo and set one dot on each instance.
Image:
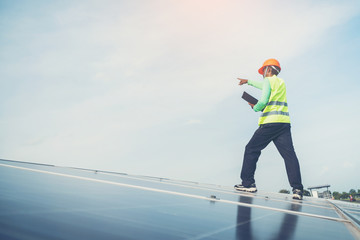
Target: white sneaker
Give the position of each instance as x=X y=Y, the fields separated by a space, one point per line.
x=297 y=194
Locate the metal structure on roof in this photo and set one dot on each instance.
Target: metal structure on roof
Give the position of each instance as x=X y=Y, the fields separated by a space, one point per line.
x=40 y=201
x=319 y=187
x=316 y=194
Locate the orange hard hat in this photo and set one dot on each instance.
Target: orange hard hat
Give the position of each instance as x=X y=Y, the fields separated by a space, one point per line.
x=269 y=62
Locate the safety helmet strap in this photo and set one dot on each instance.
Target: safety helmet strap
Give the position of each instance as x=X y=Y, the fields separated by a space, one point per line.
x=275 y=69
x=266 y=68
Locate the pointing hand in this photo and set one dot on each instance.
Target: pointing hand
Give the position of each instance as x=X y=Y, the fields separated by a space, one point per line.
x=242 y=81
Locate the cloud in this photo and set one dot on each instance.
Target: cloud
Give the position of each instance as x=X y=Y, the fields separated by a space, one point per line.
x=348 y=164
x=324 y=170
x=193 y=121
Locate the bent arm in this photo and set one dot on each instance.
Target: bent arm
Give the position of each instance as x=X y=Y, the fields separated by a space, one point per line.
x=266 y=91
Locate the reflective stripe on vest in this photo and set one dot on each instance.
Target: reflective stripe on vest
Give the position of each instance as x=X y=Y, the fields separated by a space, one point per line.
x=275 y=113
x=277 y=103
x=277 y=108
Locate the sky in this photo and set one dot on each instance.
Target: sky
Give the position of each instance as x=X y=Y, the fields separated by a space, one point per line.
x=150 y=87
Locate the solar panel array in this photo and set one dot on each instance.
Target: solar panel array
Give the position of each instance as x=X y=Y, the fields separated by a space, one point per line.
x=50 y=202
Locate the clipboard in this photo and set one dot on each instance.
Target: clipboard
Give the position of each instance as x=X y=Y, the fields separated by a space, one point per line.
x=247 y=97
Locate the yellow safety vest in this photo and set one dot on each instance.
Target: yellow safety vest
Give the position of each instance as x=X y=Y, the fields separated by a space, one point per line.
x=276 y=111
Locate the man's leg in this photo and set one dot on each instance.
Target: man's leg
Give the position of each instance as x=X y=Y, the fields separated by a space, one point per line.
x=285 y=147
x=261 y=138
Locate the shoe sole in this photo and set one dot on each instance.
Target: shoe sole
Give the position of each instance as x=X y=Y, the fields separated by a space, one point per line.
x=251 y=190
x=297 y=197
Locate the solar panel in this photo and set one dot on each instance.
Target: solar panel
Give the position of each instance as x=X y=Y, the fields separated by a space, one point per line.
x=50 y=202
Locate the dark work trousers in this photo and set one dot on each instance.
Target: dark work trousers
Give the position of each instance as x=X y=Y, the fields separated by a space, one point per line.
x=280 y=134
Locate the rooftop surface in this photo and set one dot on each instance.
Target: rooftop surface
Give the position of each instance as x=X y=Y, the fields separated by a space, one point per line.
x=49 y=202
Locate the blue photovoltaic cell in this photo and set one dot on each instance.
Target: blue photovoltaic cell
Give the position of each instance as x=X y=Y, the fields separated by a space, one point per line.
x=48 y=202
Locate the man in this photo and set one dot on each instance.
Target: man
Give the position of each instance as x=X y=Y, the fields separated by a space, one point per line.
x=274 y=125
